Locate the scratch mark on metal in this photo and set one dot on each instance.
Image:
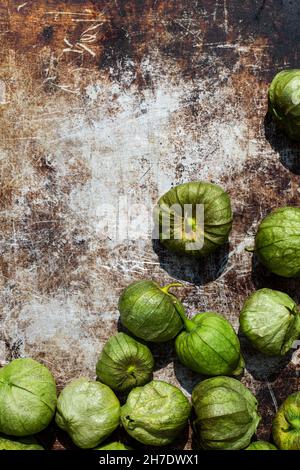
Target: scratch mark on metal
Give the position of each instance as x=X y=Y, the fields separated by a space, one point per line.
x=225 y=16
x=273 y=397
x=22 y=6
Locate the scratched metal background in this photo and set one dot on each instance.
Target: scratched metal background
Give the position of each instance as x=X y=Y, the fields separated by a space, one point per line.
x=101 y=99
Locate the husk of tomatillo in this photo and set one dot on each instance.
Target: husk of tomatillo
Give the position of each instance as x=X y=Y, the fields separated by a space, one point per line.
x=209 y=345
x=277 y=242
x=270 y=319
x=150 y=312
x=286 y=425
x=19 y=443
x=193 y=218
x=261 y=445
x=284 y=101
x=88 y=411
x=27 y=397
x=226 y=414
x=124 y=363
x=115 y=445
x=156 y=413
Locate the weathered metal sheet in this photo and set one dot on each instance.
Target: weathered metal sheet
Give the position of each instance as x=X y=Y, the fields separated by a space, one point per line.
x=106 y=99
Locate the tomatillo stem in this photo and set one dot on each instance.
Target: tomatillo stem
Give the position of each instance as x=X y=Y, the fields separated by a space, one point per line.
x=189 y=325
x=169 y=286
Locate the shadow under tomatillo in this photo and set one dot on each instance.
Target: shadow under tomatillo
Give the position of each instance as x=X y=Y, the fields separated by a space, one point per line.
x=260 y=366
x=199 y=271
x=287 y=149
x=262 y=277
x=187 y=378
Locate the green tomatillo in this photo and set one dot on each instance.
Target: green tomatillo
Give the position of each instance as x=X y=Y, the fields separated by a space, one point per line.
x=124 y=363
x=88 y=411
x=150 y=311
x=156 y=413
x=115 y=445
x=20 y=443
x=209 y=345
x=193 y=218
x=226 y=414
x=271 y=321
x=27 y=397
x=277 y=242
x=284 y=101
x=286 y=425
x=261 y=445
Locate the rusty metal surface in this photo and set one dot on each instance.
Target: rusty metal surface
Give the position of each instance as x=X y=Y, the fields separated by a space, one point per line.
x=106 y=98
